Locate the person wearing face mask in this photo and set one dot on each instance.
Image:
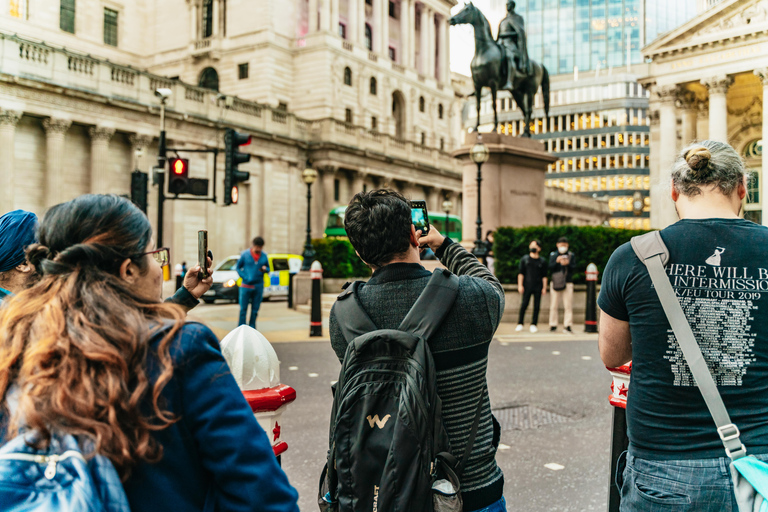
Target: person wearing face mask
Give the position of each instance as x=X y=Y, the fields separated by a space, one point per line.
x=90 y=350
x=531 y=282
x=561 y=266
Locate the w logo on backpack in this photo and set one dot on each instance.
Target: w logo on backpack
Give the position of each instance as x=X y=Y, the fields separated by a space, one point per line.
x=378 y=422
x=390 y=370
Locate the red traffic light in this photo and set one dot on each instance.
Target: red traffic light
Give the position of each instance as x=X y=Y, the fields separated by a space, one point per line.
x=179 y=166
x=235 y=194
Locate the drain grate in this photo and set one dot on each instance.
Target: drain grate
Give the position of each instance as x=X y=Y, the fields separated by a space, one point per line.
x=523 y=417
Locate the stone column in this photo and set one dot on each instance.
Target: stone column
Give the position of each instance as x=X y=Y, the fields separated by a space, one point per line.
x=384 y=29
x=194 y=22
x=312 y=17
x=325 y=15
x=405 y=36
x=358 y=183
x=328 y=177
x=718 y=109
x=423 y=41
x=353 y=28
x=335 y=16
x=762 y=73
x=55 y=129
x=431 y=44
x=215 y=24
x=8 y=121
x=411 y=34
x=662 y=208
x=100 y=136
x=445 y=52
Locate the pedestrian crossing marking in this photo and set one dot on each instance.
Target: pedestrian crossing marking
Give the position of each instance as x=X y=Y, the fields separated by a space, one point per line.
x=554 y=466
x=313 y=375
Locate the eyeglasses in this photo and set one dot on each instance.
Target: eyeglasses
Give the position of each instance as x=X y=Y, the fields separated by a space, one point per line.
x=162 y=256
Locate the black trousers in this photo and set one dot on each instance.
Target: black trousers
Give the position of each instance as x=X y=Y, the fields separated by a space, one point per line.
x=527 y=294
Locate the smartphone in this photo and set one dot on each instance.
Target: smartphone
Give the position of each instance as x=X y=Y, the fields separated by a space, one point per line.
x=202 y=252
x=419 y=216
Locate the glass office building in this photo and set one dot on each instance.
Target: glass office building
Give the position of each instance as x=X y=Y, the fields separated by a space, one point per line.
x=597 y=34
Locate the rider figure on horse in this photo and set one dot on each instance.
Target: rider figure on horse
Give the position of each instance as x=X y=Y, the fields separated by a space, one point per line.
x=512 y=38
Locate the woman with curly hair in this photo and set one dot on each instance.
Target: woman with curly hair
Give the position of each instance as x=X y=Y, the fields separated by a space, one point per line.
x=91 y=351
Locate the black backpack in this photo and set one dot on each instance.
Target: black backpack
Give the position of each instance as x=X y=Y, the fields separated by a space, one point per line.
x=388 y=445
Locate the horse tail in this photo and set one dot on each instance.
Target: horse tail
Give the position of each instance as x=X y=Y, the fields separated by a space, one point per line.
x=545 y=89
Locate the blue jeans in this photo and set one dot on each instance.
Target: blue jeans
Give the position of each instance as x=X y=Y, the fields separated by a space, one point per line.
x=701 y=485
x=499 y=506
x=253 y=297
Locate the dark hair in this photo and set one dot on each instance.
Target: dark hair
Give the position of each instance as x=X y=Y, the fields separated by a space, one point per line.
x=538 y=242
x=78 y=339
x=561 y=240
x=258 y=241
x=707 y=163
x=378 y=224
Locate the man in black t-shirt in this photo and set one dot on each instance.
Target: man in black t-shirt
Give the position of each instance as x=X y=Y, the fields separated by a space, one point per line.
x=531 y=282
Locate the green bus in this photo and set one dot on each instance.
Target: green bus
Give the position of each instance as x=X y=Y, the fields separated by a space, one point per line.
x=335 y=225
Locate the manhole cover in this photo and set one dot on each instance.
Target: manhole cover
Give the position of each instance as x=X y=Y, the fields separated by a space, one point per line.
x=523 y=417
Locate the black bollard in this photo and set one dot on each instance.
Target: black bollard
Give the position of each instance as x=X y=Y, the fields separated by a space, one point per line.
x=590 y=318
x=316 y=320
x=290 y=290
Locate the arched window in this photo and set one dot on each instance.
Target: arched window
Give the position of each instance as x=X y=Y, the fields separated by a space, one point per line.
x=347 y=76
x=373 y=86
x=209 y=79
x=368 y=37
x=440 y=111
x=421 y=104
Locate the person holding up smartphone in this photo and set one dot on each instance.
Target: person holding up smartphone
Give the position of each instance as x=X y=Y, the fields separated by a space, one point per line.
x=251 y=267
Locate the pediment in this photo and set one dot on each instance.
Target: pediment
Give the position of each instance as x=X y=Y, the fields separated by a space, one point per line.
x=726 y=21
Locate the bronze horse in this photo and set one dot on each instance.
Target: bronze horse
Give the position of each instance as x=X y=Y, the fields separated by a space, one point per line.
x=489 y=69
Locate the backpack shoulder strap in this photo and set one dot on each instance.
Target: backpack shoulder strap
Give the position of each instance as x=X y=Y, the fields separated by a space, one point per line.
x=432 y=306
x=654 y=254
x=352 y=318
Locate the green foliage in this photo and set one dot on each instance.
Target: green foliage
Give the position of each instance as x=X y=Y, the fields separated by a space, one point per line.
x=590 y=244
x=339 y=258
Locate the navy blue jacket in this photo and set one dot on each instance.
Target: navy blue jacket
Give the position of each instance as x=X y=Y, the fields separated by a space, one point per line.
x=249 y=270
x=216 y=451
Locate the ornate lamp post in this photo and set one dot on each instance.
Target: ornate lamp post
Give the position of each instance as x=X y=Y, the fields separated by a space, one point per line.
x=479 y=154
x=447 y=205
x=309 y=176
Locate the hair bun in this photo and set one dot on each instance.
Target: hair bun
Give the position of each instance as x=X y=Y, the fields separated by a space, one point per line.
x=36 y=253
x=698 y=158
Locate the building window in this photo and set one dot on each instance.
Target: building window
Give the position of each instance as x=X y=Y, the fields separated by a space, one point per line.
x=336 y=187
x=368 y=2
x=282 y=106
x=368 y=37
x=442 y=144
x=110 y=27
x=373 y=86
x=374 y=123
x=392 y=10
x=421 y=104
x=347 y=76
x=342 y=31
x=423 y=139
x=207 y=18
x=392 y=54
x=209 y=79
x=20 y=9
x=242 y=71
x=440 y=111
x=67 y=16
x=348 y=115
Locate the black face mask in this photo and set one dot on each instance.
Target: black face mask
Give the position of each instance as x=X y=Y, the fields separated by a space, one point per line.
x=533 y=250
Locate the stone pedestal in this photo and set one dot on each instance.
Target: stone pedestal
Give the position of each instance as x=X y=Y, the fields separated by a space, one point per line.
x=512 y=186
x=302 y=289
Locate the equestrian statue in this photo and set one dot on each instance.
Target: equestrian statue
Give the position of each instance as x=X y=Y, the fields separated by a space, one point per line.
x=503 y=64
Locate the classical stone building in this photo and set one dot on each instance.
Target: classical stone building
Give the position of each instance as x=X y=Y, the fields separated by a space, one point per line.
x=709 y=80
x=359 y=89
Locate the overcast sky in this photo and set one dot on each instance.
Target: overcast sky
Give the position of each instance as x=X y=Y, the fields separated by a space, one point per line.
x=462 y=36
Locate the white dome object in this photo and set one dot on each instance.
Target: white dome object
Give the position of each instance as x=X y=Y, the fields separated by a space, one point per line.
x=252 y=360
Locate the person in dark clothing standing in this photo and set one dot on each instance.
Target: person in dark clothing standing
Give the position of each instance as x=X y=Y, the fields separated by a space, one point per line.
x=379 y=227
x=251 y=267
x=531 y=282
x=562 y=265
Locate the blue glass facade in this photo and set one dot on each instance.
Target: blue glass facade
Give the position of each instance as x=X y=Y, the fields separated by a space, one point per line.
x=593 y=34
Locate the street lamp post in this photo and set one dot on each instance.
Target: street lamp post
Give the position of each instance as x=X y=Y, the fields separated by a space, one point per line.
x=309 y=176
x=447 y=205
x=479 y=154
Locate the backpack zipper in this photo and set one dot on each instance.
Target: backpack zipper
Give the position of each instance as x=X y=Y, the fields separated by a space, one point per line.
x=51 y=460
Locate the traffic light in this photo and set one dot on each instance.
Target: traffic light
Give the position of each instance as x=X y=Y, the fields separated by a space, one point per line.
x=139 y=189
x=232 y=142
x=179 y=178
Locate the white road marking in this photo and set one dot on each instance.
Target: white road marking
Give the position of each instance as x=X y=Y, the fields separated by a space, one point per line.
x=586 y=358
x=333 y=382
x=554 y=466
x=556 y=353
x=293 y=368
x=528 y=348
x=313 y=375
x=504 y=343
x=503 y=446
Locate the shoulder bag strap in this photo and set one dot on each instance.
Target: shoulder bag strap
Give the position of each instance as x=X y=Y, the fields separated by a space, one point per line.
x=432 y=306
x=653 y=253
x=352 y=318
x=472 y=435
